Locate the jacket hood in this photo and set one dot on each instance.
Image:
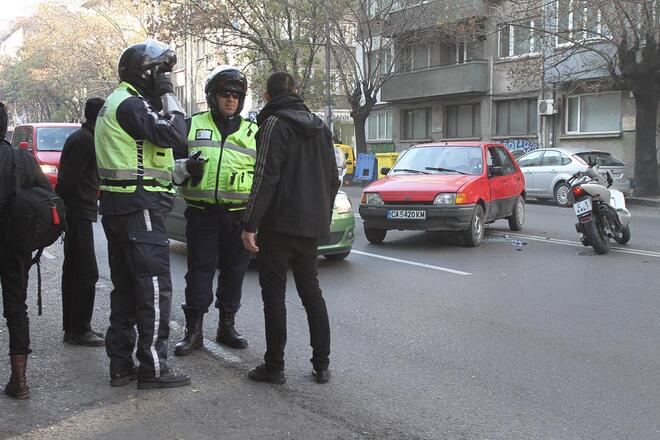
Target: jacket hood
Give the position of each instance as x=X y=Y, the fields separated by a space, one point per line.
x=292 y=109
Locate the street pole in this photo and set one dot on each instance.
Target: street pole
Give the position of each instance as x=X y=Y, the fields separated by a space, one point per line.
x=328 y=97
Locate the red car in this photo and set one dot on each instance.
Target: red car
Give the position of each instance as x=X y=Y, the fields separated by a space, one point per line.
x=45 y=141
x=449 y=186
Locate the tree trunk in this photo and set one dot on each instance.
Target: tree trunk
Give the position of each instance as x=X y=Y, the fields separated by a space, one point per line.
x=360 y=135
x=646 y=163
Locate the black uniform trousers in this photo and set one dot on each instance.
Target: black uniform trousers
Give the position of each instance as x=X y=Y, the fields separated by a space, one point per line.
x=214 y=242
x=14 y=268
x=139 y=259
x=276 y=253
x=79 y=276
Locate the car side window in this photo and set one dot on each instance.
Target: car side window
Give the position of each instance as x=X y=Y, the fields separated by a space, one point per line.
x=565 y=160
x=530 y=159
x=551 y=158
x=491 y=160
x=505 y=161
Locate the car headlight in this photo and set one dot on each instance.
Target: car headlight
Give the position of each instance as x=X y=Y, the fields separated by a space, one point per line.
x=49 y=169
x=343 y=204
x=373 y=199
x=445 y=199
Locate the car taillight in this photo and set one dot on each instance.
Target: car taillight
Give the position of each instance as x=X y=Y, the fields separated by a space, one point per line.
x=577 y=191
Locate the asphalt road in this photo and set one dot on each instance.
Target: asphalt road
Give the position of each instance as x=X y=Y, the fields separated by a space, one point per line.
x=544 y=340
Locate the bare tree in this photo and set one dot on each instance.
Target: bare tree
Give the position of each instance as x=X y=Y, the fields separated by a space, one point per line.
x=596 y=44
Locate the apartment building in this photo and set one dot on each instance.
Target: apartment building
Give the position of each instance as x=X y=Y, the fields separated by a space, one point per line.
x=455 y=85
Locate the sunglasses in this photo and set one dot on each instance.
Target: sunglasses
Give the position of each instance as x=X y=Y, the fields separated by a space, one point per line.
x=229 y=93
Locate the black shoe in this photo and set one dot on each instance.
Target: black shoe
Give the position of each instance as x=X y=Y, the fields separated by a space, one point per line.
x=263 y=374
x=322 y=376
x=123 y=377
x=167 y=379
x=227 y=334
x=87 y=339
x=193 y=338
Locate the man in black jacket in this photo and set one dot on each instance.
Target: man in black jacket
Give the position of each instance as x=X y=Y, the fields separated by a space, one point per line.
x=78 y=185
x=14 y=266
x=291 y=204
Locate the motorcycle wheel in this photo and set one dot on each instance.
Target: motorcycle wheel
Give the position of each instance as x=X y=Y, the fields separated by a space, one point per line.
x=625 y=236
x=596 y=237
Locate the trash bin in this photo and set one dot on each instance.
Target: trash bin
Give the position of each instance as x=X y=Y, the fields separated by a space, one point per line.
x=385 y=160
x=365 y=169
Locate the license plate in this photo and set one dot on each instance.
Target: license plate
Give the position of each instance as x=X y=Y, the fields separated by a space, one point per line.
x=582 y=207
x=406 y=214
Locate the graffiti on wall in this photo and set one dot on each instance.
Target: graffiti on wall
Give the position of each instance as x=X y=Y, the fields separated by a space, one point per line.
x=523 y=144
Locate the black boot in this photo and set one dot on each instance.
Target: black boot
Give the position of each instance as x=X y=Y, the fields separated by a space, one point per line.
x=227 y=334
x=167 y=379
x=17 y=386
x=193 y=339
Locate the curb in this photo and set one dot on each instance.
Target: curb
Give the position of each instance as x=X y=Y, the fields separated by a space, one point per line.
x=642 y=201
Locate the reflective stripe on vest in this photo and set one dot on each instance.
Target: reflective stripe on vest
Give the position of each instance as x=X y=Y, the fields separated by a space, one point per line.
x=129 y=175
x=227 y=146
x=210 y=194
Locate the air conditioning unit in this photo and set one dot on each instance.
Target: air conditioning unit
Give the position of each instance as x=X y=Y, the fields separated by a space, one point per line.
x=547 y=107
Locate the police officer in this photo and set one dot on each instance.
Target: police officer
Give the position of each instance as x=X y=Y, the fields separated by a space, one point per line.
x=136 y=130
x=222 y=150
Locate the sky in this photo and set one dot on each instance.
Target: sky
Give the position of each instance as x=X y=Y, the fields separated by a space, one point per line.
x=11 y=9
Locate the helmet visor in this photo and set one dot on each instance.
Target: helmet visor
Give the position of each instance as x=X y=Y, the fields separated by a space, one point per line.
x=159 y=53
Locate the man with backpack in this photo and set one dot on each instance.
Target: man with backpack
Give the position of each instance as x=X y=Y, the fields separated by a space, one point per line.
x=15 y=263
x=78 y=185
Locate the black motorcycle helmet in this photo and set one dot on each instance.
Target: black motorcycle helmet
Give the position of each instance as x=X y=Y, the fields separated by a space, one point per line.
x=225 y=78
x=140 y=64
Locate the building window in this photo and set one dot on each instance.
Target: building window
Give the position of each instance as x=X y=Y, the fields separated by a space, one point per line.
x=379 y=126
x=462 y=121
x=180 y=52
x=417 y=123
x=381 y=60
x=578 y=20
x=348 y=33
x=200 y=48
x=516 y=117
x=593 y=113
x=518 y=40
x=180 y=93
x=416 y=57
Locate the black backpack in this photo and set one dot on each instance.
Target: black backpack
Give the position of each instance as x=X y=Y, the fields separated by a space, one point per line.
x=36 y=219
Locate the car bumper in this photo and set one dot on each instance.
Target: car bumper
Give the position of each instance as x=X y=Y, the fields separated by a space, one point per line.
x=438 y=218
x=342 y=234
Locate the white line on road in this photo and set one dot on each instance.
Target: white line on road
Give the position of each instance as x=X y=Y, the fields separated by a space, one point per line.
x=213 y=347
x=48 y=255
x=412 y=263
x=575 y=243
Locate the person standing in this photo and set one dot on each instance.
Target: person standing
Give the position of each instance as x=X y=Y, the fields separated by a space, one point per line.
x=291 y=204
x=78 y=185
x=136 y=130
x=219 y=173
x=14 y=264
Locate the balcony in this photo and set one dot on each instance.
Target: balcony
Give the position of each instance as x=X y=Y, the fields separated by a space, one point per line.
x=457 y=79
x=430 y=14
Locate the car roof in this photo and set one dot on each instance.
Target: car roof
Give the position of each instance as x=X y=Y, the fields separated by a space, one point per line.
x=573 y=150
x=48 y=125
x=456 y=144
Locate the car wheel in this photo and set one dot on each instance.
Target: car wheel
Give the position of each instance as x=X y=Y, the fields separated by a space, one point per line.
x=561 y=195
x=474 y=235
x=337 y=257
x=517 y=219
x=375 y=235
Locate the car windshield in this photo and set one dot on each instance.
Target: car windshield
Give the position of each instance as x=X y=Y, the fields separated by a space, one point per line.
x=601 y=159
x=53 y=138
x=441 y=160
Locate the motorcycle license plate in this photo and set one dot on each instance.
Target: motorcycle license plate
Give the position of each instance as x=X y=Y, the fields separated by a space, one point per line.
x=582 y=207
x=406 y=214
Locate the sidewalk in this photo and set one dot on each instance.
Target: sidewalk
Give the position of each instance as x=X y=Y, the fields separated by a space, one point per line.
x=651 y=201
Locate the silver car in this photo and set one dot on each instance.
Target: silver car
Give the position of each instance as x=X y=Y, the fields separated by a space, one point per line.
x=546 y=171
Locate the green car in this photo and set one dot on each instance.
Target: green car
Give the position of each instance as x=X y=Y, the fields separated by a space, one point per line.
x=336 y=246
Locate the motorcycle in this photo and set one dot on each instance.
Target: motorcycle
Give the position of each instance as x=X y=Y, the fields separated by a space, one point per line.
x=600 y=209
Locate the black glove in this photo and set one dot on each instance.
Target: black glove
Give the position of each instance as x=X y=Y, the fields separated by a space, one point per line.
x=163 y=84
x=195 y=166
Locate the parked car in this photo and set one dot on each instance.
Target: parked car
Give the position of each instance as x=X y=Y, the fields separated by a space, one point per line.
x=547 y=171
x=336 y=246
x=45 y=140
x=450 y=186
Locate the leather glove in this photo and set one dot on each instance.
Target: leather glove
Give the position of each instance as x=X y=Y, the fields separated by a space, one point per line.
x=163 y=84
x=195 y=167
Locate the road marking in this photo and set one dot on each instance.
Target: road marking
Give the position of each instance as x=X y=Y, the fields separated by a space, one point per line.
x=48 y=255
x=213 y=347
x=631 y=251
x=412 y=263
